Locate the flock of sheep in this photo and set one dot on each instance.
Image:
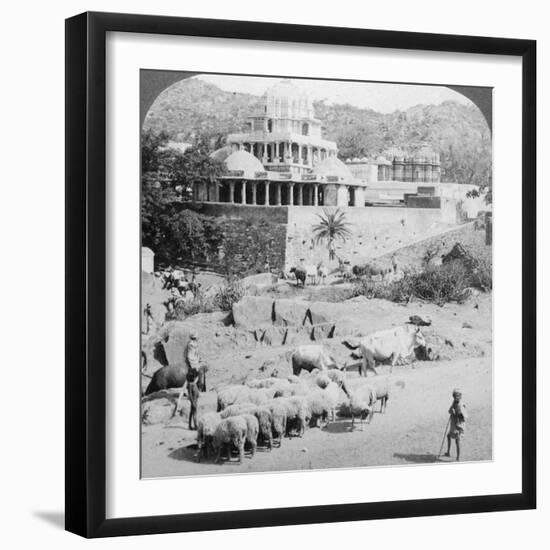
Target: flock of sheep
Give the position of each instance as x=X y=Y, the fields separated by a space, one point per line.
x=264 y=411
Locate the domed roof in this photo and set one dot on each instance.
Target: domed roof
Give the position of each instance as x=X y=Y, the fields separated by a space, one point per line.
x=242 y=160
x=286 y=100
x=222 y=153
x=332 y=166
x=380 y=159
x=394 y=153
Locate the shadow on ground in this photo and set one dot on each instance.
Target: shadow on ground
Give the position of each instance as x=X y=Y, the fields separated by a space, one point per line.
x=418 y=458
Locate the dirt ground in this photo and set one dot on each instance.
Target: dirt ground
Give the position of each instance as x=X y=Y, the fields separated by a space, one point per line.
x=412 y=429
x=410 y=432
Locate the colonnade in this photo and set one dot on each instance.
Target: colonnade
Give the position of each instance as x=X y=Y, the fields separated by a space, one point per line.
x=285 y=152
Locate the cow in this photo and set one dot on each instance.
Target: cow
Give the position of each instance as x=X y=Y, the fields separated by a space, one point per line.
x=394 y=344
x=300 y=274
x=312 y=356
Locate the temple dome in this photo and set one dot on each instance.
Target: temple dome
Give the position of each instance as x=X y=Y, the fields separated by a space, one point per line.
x=332 y=166
x=242 y=160
x=222 y=153
x=286 y=100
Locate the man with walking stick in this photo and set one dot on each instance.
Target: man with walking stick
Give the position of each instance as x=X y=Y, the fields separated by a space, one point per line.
x=456 y=423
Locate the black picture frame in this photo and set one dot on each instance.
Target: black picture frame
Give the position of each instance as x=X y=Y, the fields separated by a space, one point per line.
x=86 y=275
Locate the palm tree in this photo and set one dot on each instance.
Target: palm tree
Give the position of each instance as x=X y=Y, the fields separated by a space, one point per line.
x=331 y=228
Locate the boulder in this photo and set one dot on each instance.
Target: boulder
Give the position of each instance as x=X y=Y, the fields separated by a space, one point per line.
x=274 y=336
x=261 y=279
x=322 y=331
x=157 y=411
x=298 y=335
x=252 y=312
x=290 y=312
x=326 y=312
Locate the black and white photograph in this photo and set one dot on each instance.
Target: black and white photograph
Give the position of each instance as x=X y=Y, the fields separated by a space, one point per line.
x=316 y=274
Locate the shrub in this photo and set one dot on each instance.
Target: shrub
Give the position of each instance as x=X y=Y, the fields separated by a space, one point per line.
x=439 y=284
x=227 y=295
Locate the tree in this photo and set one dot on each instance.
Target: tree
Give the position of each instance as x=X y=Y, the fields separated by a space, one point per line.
x=331 y=228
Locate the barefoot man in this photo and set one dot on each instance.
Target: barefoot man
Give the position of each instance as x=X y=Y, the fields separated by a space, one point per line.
x=458 y=415
x=192 y=361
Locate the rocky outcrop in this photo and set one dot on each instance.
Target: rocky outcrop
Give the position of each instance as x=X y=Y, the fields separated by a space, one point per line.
x=252 y=312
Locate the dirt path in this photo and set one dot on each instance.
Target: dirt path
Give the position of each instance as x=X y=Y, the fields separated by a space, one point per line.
x=410 y=432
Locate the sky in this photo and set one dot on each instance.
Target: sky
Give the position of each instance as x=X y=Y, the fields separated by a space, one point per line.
x=381 y=97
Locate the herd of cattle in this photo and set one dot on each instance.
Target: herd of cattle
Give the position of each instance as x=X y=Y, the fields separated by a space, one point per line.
x=263 y=411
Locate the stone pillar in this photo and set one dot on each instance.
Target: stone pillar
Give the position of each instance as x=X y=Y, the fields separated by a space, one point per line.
x=291 y=194
x=300 y=195
x=279 y=198
x=331 y=195
x=243 y=192
x=254 y=193
x=266 y=202
x=232 y=192
x=264 y=156
x=310 y=155
x=359 y=196
x=277 y=152
x=315 y=194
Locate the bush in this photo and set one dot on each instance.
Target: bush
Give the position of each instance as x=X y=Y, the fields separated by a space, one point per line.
x=227 y=295
x=439 y=284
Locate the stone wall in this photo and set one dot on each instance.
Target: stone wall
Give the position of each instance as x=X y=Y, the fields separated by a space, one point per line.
x=375 y=231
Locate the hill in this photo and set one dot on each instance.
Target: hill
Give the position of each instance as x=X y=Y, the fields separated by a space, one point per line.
x=193 y=110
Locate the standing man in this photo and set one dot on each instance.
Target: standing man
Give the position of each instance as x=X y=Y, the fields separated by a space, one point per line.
x=192 y=361
x=458 y=415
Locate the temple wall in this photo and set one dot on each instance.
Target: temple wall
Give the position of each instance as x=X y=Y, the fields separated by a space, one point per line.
x=375 y=231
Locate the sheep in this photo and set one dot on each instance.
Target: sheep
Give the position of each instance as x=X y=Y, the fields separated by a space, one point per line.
x=322 y=403
x=297 y=410
x=230 y=395
x=258 y=383
x=361 y=403
x=237 y=409
x=232 y=430
x=265 y=422
x=311 y=356
x=252 y=430
x=206 y=427
x=278 y=410
x=383 y=386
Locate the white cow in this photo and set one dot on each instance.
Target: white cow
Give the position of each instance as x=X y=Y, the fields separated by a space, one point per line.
x=395 y=344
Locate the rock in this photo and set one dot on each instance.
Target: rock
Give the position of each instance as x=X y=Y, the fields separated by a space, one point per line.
x=252 y=312
x=298 y=335
x=326 y=312
x=261 y=279
x=274 y=336
x=420 y=320
x=466 y=325
x=157 y=411
x=325 y=330
x=290 y=312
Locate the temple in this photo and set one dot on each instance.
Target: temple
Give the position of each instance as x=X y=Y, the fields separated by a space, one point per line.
x=282 y=159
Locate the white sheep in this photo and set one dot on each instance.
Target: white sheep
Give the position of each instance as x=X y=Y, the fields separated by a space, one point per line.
x=230 y=431
x=278 y=410
x=297 y=411
x=361 y=403
x=206 y=426
x=252 y=430
x=262 y=413
x=323 y=401
x=237 y=409
x=230 y=395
